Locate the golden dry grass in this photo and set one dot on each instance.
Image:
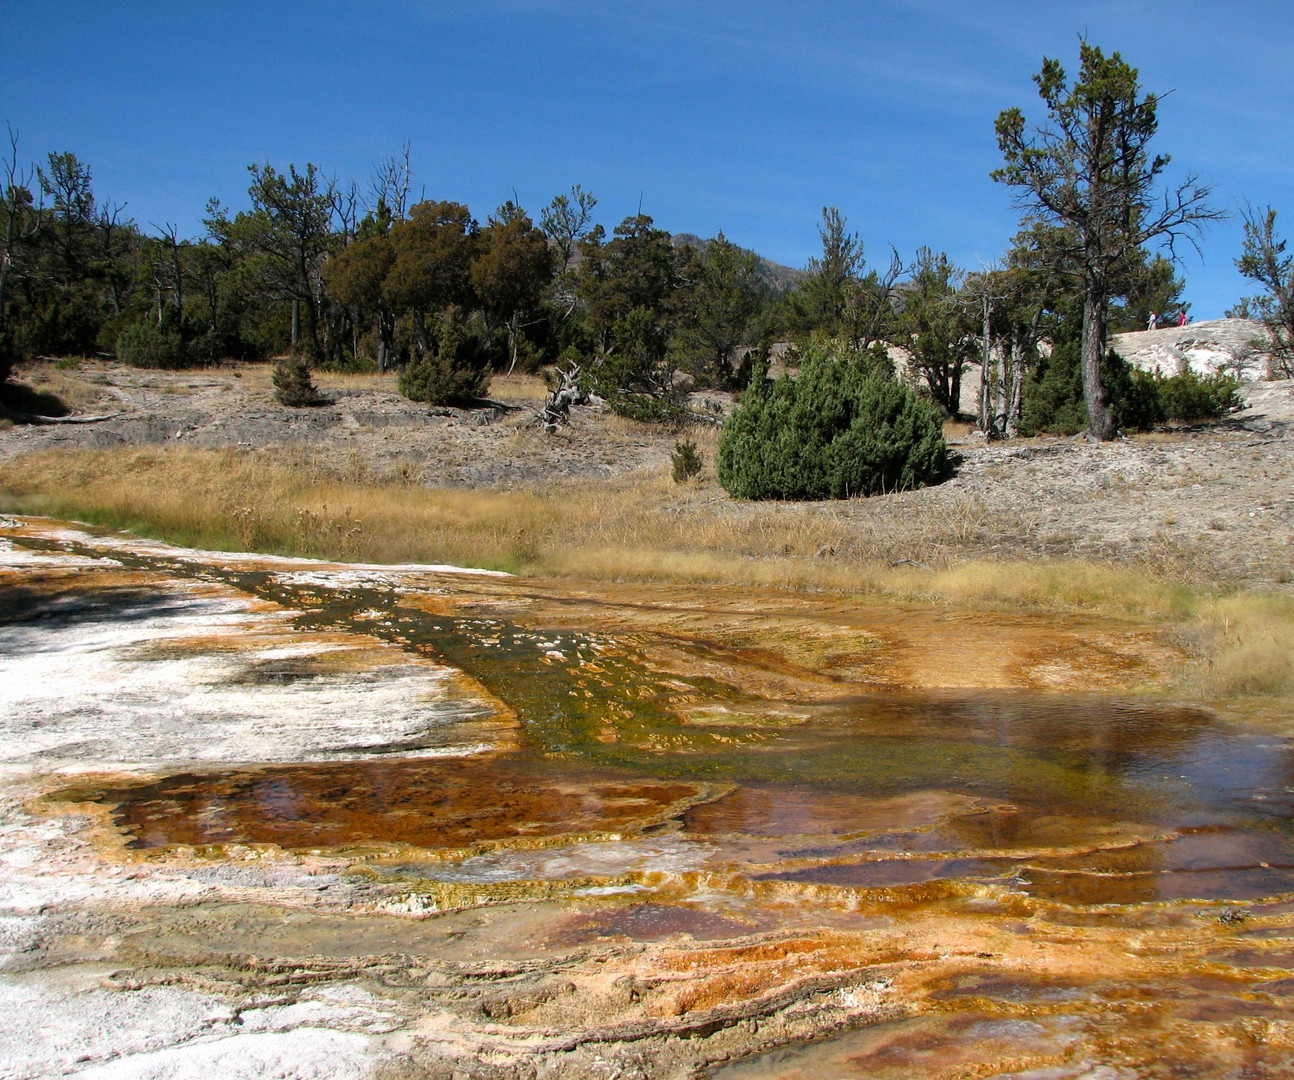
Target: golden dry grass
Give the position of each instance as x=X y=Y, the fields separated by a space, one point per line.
x=518 y=387
x=643 y=528
x=514 y=387
x=958 y=429
x=1245 y=646
x=352 y=380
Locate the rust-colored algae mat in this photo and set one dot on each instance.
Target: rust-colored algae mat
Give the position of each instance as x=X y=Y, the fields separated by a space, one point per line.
x=268 y=816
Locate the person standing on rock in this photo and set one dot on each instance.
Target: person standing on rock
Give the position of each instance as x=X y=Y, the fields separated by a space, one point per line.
x=1181 y=317
x=1153 y=322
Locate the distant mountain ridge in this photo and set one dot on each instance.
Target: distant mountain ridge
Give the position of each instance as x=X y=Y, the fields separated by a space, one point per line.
x=777 y=277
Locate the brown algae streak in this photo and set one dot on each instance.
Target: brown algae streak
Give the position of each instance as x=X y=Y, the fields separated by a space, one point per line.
x=419 y=803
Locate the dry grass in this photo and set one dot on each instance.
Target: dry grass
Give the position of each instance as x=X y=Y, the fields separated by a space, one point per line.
x=515 y=387
x=956 y=430
x=348 y=380
x=1245 y=645
x=518 y=387
x=1062 y=584
x=258 y=377
x=641 y=528
x=63 y=382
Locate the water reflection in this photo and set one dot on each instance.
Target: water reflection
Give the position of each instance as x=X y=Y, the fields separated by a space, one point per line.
x=1082 y=803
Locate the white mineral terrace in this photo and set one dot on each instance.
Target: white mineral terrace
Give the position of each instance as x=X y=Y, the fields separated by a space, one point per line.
x=225 y=680
x=184 y=673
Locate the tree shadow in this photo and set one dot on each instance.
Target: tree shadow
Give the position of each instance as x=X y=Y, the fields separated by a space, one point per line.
x=21 y=400
x=23 y=608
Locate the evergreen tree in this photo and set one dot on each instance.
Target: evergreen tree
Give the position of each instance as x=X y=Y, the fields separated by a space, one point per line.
x=1088 y=169
x=935 y=329
x=456 y=372
x=719 y=309
x=843 y=427
x=1264 y=261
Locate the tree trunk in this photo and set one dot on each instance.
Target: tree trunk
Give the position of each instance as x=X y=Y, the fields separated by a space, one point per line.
x=4 y=280
x=312 y=330
x=420 y=331
x=1000 y=383
x=1100 y=424
x=6 y=259
x=986 y=362
x=1012 y=383
x=19 y=417
x=1017 y=395
x=1027 y=344
x=296 y=324
x=385 y=340
x=513 y=332
x=178 y=271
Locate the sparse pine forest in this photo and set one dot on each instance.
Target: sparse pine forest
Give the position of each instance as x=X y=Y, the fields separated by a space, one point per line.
x=331 y=275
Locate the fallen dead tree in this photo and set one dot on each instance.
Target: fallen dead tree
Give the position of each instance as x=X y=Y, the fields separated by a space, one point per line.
x=556 y=413
x=35 y=418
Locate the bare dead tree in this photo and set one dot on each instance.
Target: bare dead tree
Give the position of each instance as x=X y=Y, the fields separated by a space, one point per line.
x=871 y=304
x=556 y=412
x=169 y=236
x=390 y=184
x=345 y=207
x=984 y=292
x=22 y=217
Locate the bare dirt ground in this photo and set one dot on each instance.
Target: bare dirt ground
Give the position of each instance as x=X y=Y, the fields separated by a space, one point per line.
x=1209 y=504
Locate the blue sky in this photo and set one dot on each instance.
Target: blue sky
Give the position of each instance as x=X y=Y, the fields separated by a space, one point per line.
x=743 y=117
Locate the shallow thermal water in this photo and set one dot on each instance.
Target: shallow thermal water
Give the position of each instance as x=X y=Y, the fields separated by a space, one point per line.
x=997 y=800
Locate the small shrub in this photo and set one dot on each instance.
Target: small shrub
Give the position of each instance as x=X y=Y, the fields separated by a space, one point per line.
x=209 y=347
x=685 y=461
x=293 y=384
x=1053 y=395
x=636 y=377
x=844 y=427
x=1148 y=398
x=456 y=372
x=147 y=345
x=1192 y=398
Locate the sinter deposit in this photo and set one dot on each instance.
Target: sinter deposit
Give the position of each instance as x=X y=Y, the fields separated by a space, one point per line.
x=270 y=817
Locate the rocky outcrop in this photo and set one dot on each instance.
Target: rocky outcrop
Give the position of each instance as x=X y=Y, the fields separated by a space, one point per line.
x=1206 y=348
